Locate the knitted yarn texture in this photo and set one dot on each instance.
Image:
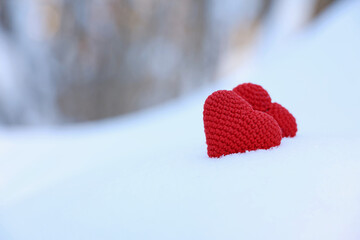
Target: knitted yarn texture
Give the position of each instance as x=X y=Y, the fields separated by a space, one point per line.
x=233 y=126
x=260 y=100
x=254 y=94
x=285 y=119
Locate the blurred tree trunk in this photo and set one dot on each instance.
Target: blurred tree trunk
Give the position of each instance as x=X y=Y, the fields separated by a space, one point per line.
x=135 y=55
x=5 y=21
x=320 y=6
x=105 y=58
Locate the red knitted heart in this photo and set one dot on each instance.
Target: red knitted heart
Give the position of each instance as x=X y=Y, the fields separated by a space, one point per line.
x=232 y=126
x=285 y=119
x=260 y=100
x=254 y=94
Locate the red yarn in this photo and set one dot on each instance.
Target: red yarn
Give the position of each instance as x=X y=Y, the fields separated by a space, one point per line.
x=285 y=119
x=254 y=94
x=260 y=100
x=232 y=126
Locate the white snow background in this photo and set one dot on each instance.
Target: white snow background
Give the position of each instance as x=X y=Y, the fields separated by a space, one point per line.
x=147 y=175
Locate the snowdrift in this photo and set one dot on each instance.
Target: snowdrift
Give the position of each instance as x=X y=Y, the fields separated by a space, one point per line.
x=147 y=175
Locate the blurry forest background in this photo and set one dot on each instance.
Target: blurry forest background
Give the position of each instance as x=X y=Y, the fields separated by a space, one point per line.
x=66 y=61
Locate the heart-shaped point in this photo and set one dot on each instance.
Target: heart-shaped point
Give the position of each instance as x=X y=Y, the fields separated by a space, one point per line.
x=233 y=126
x=260 y=100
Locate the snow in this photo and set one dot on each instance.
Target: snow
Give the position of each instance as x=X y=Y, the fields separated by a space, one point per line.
x=147 y=175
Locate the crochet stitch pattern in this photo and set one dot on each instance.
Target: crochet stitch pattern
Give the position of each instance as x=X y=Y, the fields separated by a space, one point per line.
x=285 y=119
x=254 y=94
x=233 y=126
x=260 y=100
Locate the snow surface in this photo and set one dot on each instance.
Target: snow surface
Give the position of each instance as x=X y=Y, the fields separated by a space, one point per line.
x=147 y=175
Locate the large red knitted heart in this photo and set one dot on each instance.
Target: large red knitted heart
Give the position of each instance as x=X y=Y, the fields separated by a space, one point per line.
x=232 y=126
x=260 y=100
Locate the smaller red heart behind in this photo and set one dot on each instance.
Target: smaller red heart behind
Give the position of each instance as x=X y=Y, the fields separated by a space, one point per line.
x=284 y=118
x=233 y=126
x=254 y=94
x=260 y=100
